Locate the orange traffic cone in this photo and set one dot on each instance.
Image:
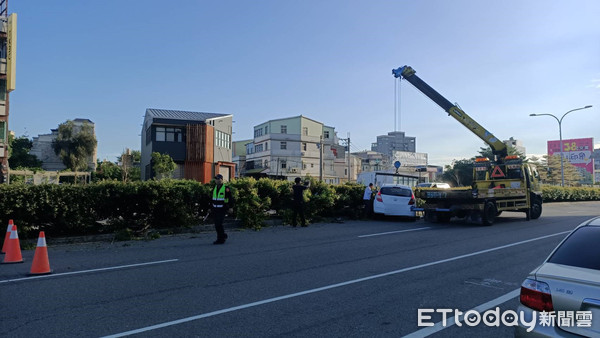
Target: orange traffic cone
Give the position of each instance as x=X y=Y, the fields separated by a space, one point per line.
x=40 y=265
x=8 y=230
x=13 y=251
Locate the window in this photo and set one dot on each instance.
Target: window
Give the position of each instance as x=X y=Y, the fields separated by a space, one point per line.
x=258 y=132
x=266 y=145
x=283 y=145
x=580 y=249
x=304 y=165
x=160 y=134
x=304 y=146
x=305 y=131
x=222 y=139
x=167 y=134
x=283 y=164
x=326 y=134
x=284 y=129
x=3 y=131
x=396 y=191
x=266 y=130
x=258 y=148
x=3 y=89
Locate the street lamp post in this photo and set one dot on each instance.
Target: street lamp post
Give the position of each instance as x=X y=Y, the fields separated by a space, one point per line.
x=562 y=166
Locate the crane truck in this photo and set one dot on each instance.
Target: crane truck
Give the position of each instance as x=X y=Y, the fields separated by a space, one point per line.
x=503 y=183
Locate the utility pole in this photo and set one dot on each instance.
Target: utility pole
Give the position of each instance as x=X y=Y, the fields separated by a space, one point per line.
x=347 y=141
x=321 y=157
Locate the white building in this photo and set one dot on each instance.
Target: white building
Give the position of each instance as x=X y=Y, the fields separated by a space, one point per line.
x=42 y=148
x=291 y=147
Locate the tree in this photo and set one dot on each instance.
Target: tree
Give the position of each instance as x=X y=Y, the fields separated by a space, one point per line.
x=487 y=152
x=107 y=171
x=74 y=145
x=572 y=176
x=163 y=165
x=459 y=173
x=130 y=165
x=19 y=154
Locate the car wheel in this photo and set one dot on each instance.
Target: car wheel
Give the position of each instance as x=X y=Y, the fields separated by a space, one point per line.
x=489 y=213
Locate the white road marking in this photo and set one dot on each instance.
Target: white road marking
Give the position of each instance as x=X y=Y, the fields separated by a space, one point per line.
x=88 y=271
x=451 y=321
x=327 y=287
x=393 y=232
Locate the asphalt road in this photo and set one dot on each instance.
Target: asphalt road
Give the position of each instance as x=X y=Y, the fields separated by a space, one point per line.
x=355 y=279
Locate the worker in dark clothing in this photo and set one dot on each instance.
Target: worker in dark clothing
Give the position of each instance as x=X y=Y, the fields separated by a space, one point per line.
x=298 y=202
x=222 y=201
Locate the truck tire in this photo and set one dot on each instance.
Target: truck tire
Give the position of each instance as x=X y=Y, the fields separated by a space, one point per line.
x=536 y=209
x=489 y=213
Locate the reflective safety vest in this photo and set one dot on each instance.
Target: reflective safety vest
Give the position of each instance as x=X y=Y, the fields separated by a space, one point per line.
x=219 y=200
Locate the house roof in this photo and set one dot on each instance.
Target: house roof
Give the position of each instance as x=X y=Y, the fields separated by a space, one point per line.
x=182 y=115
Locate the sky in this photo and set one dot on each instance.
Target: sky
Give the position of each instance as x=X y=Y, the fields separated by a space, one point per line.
x=329 y=60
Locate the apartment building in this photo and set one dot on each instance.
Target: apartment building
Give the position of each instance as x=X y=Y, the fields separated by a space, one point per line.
x=394 y=141
x=291 y=147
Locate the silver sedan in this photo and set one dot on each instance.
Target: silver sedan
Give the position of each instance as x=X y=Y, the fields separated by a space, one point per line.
x=562 y=296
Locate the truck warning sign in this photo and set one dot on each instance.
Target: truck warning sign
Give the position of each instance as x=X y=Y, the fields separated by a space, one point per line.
x=497 y=172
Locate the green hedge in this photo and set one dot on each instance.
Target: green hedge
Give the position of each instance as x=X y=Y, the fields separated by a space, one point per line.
x=559 y=194
x=111 y=206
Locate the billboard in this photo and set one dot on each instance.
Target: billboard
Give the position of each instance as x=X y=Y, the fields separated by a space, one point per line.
x=578 y=152
x=409 y=159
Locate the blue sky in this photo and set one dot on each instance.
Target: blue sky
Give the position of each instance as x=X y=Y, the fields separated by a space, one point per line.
x=328 y=60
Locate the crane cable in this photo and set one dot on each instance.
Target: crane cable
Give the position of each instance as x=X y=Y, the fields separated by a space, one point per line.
x=397 y=105
x=395 y=101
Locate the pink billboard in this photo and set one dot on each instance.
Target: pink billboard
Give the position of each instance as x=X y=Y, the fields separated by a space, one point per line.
x=577 y=151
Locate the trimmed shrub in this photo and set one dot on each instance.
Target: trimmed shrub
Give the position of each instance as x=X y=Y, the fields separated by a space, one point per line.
x=136 y=207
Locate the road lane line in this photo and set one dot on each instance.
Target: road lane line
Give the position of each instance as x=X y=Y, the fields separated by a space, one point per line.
x=327 y=287
x=88 y=271
x=439 y=326
x=393 y=232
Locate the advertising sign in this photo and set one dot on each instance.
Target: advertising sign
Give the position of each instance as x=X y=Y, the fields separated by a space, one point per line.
x=11 y=52
x=578 y=152
x=409 y=159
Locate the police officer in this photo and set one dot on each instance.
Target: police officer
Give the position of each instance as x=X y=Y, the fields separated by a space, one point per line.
x=222 y=200
x=298 y=201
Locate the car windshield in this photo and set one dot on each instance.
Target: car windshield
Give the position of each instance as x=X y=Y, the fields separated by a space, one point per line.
x=396 y=191
x=581 y=249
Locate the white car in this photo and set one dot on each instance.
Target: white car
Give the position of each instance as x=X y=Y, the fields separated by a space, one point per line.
x=395 y=200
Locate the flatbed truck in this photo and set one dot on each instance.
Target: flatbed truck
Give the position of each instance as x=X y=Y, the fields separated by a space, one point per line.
x=504 y=183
